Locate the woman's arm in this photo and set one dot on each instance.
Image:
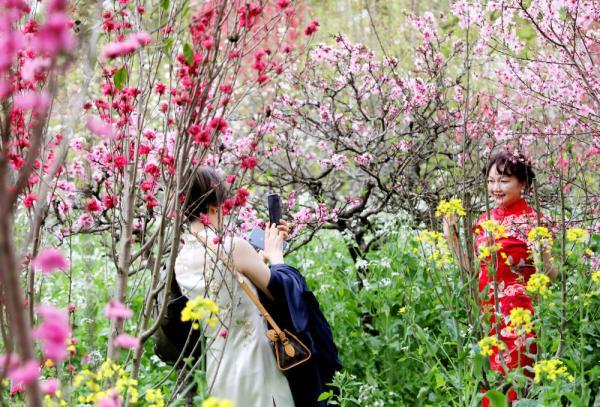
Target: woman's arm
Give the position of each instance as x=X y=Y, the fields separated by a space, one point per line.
x=252 y=264
x=248 y=262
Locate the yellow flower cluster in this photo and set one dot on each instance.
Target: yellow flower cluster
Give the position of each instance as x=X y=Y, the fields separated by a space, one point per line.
x=577 y=235
x=493 y=229
x=540 y=234
x=485 y=251
x=538 y=284
x=155 y=398
x=596 y=276
x=439 y=252
x=552 y=370
x=216 y=402
x=200 y=308
x=487 y=345
x=520 y=319
x=449 y=208
x=111 y=372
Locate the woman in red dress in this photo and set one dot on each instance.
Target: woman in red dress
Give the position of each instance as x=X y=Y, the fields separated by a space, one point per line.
x=506 y=262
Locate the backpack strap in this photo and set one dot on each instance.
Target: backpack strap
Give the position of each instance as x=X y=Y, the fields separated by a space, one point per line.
x=244 y=285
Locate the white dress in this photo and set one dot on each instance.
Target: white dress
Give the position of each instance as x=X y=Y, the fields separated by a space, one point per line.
x=240 y=365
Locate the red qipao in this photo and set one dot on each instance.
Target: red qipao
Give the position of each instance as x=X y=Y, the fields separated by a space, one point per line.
x=513 y=268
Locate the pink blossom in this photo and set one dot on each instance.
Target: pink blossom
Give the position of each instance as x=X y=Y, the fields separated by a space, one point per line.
x=8 y=362
x=10 y=43
x=143 y=38
x=5 y=88
x=111 y=400
x=127 y=341
x=100 y=127
x=283 y=3
x=50 y=259
x=56 y=5
x=32 y=100
x=53 y=332
x=25 y=374
x=85 y=221
x=311 y=28
x=50 y=385
x=223 y=333
x=29 y=200
x=120 y=48
x=55 y=35
x=115 y=309
x=93 y=206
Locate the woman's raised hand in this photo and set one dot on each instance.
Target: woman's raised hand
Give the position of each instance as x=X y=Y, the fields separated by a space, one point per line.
x=274 y=237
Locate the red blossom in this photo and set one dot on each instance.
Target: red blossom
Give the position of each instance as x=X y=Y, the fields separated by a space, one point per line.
x=161 y=88
x=152 y=170
x=227 y=206
x=29 y=200
x=93 y=206
x=241 y=197
x=147 y=185
x=248 y=163
x=110 y=201
x=311 y=28
x=230 y=179
x=219 y=124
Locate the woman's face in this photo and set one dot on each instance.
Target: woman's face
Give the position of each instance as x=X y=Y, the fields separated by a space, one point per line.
x=504 y=189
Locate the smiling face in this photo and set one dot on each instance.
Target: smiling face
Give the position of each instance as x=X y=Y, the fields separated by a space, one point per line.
x=505 y=190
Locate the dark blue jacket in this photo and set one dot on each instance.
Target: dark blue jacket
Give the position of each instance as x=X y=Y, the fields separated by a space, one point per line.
x=295 y=308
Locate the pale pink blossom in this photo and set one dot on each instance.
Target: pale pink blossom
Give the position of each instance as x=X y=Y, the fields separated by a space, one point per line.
x=55 y=35
x=143 y=38
x=127 y=341
x=113 y=399
x=50 y=385
x=32 y=100
x=120 y=48
x=53 y=332
x=25 y=374
x=115 y=309
x=85 y=221
x=50 y=259
x=100 y=127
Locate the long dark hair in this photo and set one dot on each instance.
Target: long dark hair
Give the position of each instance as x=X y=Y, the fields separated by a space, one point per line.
x=206 y=189
x=507 y=164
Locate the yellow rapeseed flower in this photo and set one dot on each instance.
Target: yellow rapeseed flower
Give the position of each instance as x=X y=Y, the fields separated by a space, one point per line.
x=450 y=208
x=200 y=308
x=487 y=345
x=551 y=370
x=577 y=235
x=596 y=276
x=216 y=402
x=520 y=319
x=540 y=234
x=155 y=398
x=493 y=229
x=439 y=252
x=538 y=284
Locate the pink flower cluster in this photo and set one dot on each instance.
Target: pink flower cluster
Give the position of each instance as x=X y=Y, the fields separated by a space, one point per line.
x=127 y=46
x=53 y=332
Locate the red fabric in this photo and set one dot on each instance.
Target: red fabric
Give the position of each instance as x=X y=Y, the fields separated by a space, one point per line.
x=513 y=269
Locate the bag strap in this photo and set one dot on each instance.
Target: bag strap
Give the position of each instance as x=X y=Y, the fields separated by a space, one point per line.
x=244 y=285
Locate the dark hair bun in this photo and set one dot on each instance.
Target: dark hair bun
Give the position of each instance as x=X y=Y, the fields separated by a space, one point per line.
x=507 y=164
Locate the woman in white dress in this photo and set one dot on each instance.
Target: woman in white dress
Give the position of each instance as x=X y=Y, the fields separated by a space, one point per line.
x=240 y=365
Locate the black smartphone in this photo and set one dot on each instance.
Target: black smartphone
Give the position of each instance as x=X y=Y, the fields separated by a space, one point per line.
x=274 y=203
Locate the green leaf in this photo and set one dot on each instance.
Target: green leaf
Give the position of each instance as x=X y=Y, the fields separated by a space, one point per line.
x=439 y=381
x=325 y=395
x=120 y=78
x=168 y=44
x=188 y=53
x=164 y=4
x=496 y=398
